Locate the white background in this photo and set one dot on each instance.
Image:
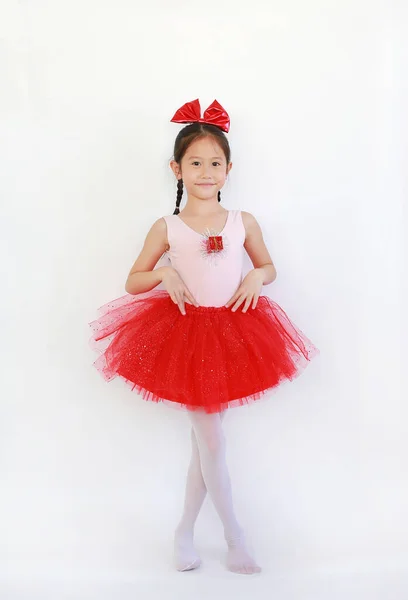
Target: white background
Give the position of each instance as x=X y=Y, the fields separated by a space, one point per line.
x=93 y=476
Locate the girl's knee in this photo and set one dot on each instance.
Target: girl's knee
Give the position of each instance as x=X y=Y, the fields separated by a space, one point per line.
x=214 y=442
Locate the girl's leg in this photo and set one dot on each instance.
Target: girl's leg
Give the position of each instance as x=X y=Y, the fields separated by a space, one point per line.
x=211 y=446
x=186 y=557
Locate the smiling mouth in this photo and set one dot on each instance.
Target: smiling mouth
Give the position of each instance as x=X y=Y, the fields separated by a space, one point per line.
x=205 y=184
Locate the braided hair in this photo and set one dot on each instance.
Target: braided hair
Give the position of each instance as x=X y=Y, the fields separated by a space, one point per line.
x=187 y=136
x=179 y=194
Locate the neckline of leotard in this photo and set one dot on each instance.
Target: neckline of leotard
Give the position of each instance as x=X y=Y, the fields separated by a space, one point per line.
x=194 y=231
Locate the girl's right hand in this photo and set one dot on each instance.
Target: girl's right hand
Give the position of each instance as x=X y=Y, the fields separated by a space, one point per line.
x=176 y=288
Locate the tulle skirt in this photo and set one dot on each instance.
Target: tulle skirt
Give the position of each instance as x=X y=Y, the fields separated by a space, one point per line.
x=209 y=359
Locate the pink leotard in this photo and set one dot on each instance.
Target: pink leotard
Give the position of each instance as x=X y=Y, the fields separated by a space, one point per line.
x=212 y=277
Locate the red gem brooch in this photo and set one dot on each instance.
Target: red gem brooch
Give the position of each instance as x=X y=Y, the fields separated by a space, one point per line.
x=214 y=243
x=213 y=246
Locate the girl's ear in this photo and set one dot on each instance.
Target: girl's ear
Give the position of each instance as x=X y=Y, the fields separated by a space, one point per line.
x=229 y=167
x=175 y=167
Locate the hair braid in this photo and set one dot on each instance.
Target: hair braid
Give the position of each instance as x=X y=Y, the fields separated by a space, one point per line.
x=219 y=195
x=179 y=195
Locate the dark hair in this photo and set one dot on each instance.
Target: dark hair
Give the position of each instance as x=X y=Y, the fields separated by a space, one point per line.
x=186 y=137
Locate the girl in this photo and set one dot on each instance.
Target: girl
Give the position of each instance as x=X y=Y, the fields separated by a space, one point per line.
x=209 y=340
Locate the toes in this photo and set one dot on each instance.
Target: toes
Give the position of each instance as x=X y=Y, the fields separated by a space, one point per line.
x=245 y=569
x=255 y=569
x=240 y=569
x=243 y=563
x=235 y=568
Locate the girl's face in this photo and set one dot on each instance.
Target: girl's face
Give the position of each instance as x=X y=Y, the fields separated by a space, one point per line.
x=203 y=168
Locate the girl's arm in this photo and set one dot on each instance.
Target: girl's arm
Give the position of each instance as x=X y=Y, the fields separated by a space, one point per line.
x=264 y=271
x=256 y=249
x=142 y=277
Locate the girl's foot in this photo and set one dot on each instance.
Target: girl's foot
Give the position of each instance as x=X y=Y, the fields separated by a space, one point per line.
x=186 y=557
x=238 y=558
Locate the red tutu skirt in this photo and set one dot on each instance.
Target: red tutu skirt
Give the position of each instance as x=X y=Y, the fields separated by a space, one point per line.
x=209 y=359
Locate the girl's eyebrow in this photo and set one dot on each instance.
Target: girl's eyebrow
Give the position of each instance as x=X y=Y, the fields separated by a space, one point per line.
x=219 y=157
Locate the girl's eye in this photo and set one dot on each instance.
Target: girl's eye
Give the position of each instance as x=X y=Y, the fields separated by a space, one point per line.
x=214 y=164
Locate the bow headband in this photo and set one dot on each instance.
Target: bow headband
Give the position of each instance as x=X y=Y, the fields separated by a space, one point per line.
x=214 y=115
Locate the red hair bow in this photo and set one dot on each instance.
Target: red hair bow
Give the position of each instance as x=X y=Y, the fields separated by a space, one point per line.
x=214 y=115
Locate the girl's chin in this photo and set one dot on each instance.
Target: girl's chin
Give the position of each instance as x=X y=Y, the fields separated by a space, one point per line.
x=206 y=194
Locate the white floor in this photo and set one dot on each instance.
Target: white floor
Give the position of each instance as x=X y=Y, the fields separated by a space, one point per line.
x=53 y=581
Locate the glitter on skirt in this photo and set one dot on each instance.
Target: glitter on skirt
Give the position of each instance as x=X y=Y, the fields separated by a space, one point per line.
x=209 y=359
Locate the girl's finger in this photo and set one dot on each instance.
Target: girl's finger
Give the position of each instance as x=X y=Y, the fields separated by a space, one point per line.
x=189 y=296
x=173 y=297
x=182 y=307
x=247 y=303
x=255 y=300
x=230 y=301
x=180 y=302
x=234 y=297
x=238 y=303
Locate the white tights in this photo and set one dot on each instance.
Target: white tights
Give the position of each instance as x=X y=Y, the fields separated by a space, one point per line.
x=208 y=471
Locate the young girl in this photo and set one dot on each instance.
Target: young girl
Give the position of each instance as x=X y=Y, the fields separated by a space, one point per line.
x=208 y=341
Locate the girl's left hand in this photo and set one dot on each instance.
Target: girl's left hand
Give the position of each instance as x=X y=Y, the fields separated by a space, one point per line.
x=249 y=291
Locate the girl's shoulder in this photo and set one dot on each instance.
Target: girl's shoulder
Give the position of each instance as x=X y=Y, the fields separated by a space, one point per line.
x=248 y=219
x=247 y=216
x=159 y=225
